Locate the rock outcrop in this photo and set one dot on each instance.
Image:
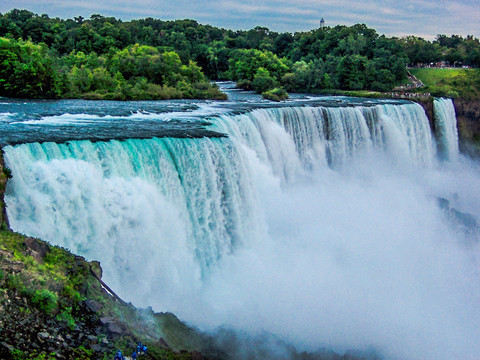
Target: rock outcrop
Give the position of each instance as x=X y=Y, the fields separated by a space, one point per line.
x=4 y=176
x=468 y=116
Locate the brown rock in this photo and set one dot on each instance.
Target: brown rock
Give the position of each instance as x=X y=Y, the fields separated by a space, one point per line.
x=43 y=335
x=36 y=248
x=112 y=325
x=96 y=268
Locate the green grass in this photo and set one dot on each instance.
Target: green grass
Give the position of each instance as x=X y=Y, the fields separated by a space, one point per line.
x=453 y=83
x=50 y=286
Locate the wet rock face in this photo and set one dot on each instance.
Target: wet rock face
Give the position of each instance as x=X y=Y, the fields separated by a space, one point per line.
x=96 y=269
x=468 y=115
x=468 y=123
x=428 y=107
x=468 y=120
x=4 y=176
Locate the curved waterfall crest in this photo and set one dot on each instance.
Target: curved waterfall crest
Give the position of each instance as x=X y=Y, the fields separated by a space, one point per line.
x=208 y=181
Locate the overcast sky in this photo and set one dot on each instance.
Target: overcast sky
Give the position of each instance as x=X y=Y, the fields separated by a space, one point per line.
x=391 y=17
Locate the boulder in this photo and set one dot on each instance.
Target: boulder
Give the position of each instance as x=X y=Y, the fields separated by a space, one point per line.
x=43 y=335
x=112 y=326
x=6 y=347
x=36 y=248
x=93 y=306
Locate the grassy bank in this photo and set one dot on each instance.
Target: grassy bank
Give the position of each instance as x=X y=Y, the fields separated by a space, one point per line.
x=464 y=83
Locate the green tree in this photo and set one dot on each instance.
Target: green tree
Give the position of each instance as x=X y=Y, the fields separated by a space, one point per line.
x=351 y=72
x=263 y=81
x=26 y=70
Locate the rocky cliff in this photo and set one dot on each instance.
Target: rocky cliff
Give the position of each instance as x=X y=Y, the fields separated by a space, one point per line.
x=468 y=123
x=468 y=115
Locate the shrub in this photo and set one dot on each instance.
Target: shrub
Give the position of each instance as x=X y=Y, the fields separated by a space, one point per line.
x=244 y=84
x=45 y=300
x=7 y=172
x=18 y=355
x=66 y=316
x=263 y=81
x=81 y=353
x=15 y=282
x=452 y=94
x=277 y=94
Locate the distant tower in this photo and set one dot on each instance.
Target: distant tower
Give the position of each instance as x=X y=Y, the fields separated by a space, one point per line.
x=322 y=23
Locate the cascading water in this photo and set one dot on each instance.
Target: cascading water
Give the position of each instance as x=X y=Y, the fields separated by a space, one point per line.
x=446 y=128
x=320 y=225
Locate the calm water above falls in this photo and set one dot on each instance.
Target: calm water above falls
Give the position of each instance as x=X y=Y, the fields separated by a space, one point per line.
x=24 y=121
x=326 y=222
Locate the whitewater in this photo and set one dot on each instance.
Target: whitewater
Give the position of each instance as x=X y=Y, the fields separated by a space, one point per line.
x=340 y=227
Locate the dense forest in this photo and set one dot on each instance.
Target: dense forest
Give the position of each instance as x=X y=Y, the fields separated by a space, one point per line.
x=106 y=58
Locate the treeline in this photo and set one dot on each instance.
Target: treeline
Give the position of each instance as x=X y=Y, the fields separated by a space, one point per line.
x=137 y=72
x=454 y=50
x=104 y=56
x=33 y=68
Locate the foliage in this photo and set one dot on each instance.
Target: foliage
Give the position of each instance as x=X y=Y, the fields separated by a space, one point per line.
x=277 y=94
x=81 y=353
x=263 y=81
x=261 y=69
x=455 y=50
x=17 y=354
x=136 y=72
x=16 y=282
x=26 y=70
x=45 y=300
x=67 y=317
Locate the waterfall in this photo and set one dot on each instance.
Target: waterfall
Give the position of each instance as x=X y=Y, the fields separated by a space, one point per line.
x=191 y=199
x=314 y=137
x=318 y=224
x=446 y=128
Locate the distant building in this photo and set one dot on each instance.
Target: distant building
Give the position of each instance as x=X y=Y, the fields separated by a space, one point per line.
x=322 y=23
